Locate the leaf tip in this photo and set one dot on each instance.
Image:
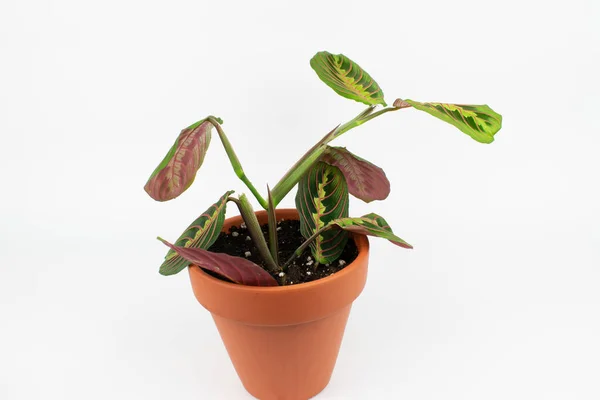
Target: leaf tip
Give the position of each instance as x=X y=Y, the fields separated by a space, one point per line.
x=164 y=241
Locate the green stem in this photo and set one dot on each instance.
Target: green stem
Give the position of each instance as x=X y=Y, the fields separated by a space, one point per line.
x=293 y=176
x=289 y=180
x=235 y=162
x=359 y=121
x=304 y=245
x=255 y=232
x=273 y=240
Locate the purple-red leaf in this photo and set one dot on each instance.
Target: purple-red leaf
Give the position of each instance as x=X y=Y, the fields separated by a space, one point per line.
x=365 y=180
x=236 y=269
x=177 y=171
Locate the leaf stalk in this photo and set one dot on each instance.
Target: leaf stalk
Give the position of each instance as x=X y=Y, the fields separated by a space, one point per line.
x=235 y=162
x=304 y=245
x=255 y=231
x=292 y=177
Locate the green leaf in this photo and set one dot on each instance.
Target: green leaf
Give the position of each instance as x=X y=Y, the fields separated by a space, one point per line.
x=478 y=121
x=176 y=172
x=347 y=78
x=322 y=197
x=201 y=234
x=372 y=225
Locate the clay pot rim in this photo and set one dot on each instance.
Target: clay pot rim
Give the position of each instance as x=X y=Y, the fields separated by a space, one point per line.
x=361 y=241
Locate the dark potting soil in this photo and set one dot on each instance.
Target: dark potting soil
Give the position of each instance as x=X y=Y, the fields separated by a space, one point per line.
x=303 y=269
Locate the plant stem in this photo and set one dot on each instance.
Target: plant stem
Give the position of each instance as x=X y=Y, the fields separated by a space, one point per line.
x=361 y=120
x=255 y=232
x=273 y=240
x=293 y=176
x=304 y=245
x=289 y=180
x=235 y=162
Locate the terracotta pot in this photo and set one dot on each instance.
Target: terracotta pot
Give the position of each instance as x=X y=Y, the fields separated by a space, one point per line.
x=283 y=341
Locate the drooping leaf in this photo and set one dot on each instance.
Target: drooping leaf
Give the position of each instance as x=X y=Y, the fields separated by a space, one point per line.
x=478 y=121
x=322 y=197
x=372 y=225
x=177 y=170
x=201 y=234
x=365 y=180
x=347 y=78
x=236 y=269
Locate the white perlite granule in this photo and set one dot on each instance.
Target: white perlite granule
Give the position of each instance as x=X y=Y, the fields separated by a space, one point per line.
x=281 y=274
x=341 y=262
x=235 y=234
x=247 y=254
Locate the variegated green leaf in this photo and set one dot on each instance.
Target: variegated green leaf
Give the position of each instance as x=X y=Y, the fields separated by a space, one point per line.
x=347 y=78
x=478 y=121
x=366 y=181
x=372 y=225
x=176 y=172
x=322 y=197
x=201 y=234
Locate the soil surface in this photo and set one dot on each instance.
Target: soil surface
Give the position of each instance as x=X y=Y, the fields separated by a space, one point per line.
x=303 y=269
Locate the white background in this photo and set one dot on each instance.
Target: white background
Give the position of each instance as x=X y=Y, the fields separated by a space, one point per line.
x=500 y=298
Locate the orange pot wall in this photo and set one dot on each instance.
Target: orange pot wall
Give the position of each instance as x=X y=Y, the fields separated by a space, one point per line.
x=283 y=341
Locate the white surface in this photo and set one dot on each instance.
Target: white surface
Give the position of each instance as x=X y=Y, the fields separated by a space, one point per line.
x=499 y=299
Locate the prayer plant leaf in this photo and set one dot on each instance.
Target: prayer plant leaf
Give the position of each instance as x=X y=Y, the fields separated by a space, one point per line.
x=371 y=225
x=322 y=197
x=347 y=78
x=177 y=170
x=201 y=234
x=366 y=181
x=478 y=121
x=236 y=269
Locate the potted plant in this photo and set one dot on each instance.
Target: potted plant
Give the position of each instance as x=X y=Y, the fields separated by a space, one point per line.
x=280 y=283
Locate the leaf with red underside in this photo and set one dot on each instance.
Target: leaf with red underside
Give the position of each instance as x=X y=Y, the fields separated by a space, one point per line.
x=177 y=170
x=236 y=269
x=366 y=181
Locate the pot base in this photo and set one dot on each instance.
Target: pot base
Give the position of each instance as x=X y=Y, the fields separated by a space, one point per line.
x=292 y=362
